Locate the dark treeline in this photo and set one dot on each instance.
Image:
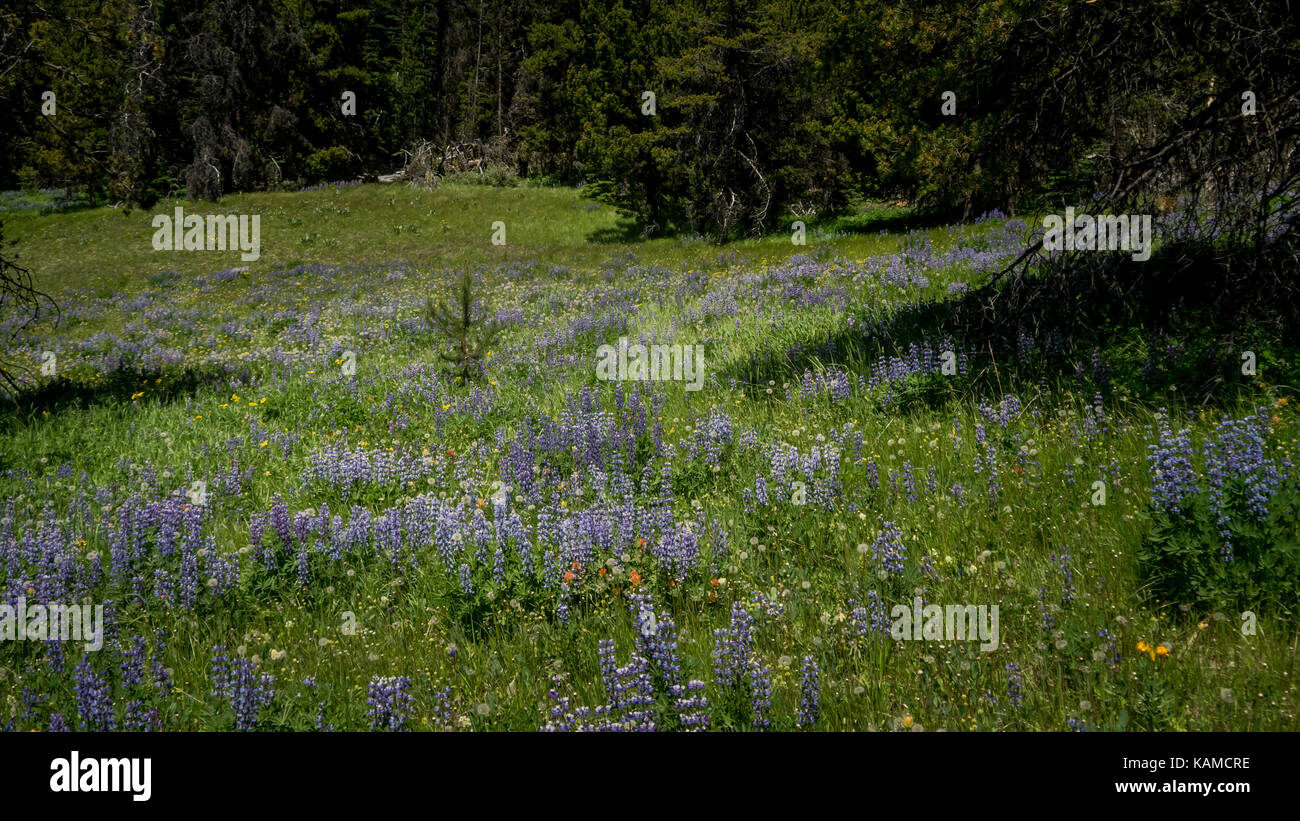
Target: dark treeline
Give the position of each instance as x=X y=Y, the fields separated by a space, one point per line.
x=761 y=110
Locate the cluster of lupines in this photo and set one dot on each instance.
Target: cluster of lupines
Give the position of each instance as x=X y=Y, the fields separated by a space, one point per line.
x=581 y=533
x=139 y=716
x=94 y=700
x=656 y=639
x=1094 y=420
x=345 y=469
x=736 y=667
x=818 y=471
x=1173 y=479
x=833 y=382
x=629 y=691
x=1046 y=620
x=678 y=551
x=923 y=358
x=654 y=670
x=246 y=691
x=732 y=647
x=1007 y=410
x=1236 y=451
x=1235 y=456
x=390 y=703
x=872 y=619
x=710 y=437
x=889 y=550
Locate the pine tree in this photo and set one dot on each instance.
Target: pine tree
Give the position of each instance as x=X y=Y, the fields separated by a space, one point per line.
x=468 y=333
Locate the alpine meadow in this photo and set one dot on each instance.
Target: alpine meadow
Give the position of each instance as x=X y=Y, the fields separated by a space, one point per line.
x=514 y=365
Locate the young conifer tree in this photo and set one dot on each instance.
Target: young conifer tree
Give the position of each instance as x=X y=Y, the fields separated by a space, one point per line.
x=468 y=333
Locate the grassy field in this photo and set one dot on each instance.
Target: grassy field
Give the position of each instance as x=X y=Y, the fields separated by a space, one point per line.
x=392 y=548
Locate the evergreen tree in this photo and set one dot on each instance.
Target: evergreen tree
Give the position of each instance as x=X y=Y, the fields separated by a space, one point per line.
x=465 y=327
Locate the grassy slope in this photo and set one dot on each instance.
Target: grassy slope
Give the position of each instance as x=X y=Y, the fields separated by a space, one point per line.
x=806 y=558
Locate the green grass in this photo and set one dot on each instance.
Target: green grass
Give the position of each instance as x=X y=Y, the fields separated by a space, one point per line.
x=193 y=419
x=448 y=227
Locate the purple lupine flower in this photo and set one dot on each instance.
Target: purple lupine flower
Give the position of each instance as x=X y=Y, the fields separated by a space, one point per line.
x=304 y=565
x=810 y=689
x=94 y=701
x=442 y=713
x=1047 y=620
x=909 y=482
x=54 y=655
x=1236 y=452
x=991 y=463
x=223 y=571
x=141 y=718
x=237 y=682
x=888 y=549
x=562 y=716
x=692 y=710
x=1173 y=479
x=188 y=582
x=608 y=668
x=958 y=493
x=873 y=474
x=760 y=682
x=1015 y=694
x=1068 y=591
x=1111 y=650
x=321 y=726
x=391 y=705
x=732 y=647
x=162 y=586
x=133 y=662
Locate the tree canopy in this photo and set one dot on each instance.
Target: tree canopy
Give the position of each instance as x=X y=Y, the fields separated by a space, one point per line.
x=759 y=109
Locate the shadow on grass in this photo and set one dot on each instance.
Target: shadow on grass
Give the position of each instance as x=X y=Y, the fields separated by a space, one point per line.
x=1170 y=330
x=627 y=230
x=116 y=387
x=886 y=219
